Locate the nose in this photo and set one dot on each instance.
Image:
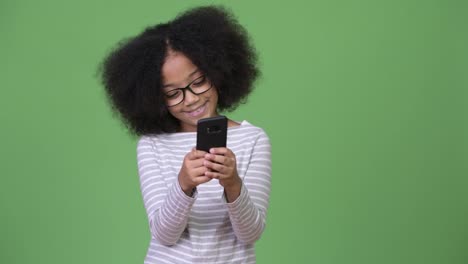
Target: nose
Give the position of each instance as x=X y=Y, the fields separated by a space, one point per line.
x=190 y=98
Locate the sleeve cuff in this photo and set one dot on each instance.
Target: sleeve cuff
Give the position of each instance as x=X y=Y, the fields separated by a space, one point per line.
x=182 y=196
x=237 y=204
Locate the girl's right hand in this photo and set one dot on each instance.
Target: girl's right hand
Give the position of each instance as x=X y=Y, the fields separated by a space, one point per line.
x=192 y=172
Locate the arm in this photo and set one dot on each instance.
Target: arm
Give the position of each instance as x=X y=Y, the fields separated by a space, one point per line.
x=247 y=200
x=167 y=208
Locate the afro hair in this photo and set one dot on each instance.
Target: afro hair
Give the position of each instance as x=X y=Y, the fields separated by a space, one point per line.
x=209 y=36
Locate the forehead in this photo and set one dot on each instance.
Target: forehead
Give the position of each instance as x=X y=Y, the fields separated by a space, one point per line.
x=177 y=69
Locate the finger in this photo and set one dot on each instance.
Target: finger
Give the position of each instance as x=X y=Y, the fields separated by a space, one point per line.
x=216 y=158
x=214 y=166
x=213 y=175
x=197 y=172
x=219 y=151
x=196 y=154
x=190 y=155
x=195 y=163
x=202 y=179
x=199 y=153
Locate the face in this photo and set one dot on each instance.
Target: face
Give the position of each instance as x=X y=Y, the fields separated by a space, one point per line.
x=177 y=72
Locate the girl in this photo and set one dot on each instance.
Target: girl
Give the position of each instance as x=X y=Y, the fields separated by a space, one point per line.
x=202 y=207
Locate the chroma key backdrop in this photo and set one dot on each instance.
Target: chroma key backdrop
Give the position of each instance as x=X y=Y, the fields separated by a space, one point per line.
x=365 y=103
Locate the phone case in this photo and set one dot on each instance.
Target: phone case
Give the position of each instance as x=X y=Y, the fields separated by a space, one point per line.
x=211 y=133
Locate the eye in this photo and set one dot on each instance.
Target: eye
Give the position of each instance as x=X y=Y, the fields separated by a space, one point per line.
x=173 y=94
x=199 y=81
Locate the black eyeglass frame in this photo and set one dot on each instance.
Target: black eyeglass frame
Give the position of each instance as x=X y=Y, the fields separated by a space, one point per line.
x=190 y=89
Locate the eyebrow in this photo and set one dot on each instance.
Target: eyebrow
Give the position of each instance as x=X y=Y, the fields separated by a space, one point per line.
x=190 y=75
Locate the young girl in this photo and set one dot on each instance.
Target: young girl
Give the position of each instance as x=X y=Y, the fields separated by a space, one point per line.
x=202 y=207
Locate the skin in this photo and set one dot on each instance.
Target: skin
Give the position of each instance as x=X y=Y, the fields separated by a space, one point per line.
x=199 y=166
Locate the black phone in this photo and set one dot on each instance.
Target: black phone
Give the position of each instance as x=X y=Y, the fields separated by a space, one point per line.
x=211 y=133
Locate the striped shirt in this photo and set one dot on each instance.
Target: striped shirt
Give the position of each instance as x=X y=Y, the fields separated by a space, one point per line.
x=204 y=228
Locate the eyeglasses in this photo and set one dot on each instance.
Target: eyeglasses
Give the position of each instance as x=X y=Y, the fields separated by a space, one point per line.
x=198 y=86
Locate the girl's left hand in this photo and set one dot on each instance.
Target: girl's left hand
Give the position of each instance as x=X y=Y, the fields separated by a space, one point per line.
x=223 y=166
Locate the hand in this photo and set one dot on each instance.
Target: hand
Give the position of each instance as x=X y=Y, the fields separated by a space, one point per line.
x=192 y=172
x=222 y=165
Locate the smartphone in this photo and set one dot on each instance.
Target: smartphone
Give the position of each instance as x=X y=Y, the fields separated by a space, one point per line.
x=211 y=133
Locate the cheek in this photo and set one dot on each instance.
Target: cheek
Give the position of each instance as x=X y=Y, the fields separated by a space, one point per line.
x=173 y=110
x=214 y=96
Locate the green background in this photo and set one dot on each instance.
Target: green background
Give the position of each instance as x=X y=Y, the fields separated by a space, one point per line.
x=365 y=103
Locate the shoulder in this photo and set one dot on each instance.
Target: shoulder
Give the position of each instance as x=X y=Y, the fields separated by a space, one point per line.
x=150 y=141
x=149 y=145
x=249 y=132
x=250 y=128
x=145 y=145
x=145 y=141
x=167 y=141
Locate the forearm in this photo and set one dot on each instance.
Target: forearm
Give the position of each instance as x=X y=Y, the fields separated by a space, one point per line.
x=170 y=220
x=247 y=220
x=248 y=211
x=233 y=190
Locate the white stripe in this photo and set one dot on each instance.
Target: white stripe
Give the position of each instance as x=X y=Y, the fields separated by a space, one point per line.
x=174 y=257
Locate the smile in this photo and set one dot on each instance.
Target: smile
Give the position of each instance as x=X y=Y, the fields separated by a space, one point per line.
x=197 y=112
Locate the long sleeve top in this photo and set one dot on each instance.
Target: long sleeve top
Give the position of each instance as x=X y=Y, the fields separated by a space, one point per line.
x=204 y=228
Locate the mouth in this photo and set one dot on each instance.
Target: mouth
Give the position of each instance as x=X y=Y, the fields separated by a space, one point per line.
x=197 y=112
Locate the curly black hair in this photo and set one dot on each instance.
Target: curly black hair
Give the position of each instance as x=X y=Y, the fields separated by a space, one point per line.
x=209 y=36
